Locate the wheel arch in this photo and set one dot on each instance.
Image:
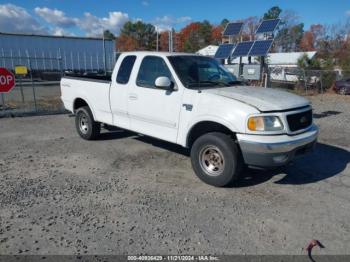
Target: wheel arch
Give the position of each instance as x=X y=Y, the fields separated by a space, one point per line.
x=80 y=102
x=206 y=126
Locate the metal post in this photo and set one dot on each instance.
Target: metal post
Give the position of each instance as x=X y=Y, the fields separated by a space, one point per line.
x=157 y=39
x=59 y=56
x=3 y=101
x=3 y=57
x=104 y=53
x=19 y=55
x=21 y=88
x=79 y=67
x=91 y=64
x=262 y=69
x=13 y=67
x=240 y=68
x=36 y=60
x=71 y=60
x=85 y=61
x=172 y=40
x=321 y=81
x=111 y=61
x=65 y=60
x=60 y=64
x=44 y=62
x=305 y=85
x=51 y=61
x=169 y=41
x=31 y=80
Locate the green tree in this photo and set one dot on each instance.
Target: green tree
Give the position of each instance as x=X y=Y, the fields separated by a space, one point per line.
x=224 y=22
x=144 y=34
x=273 y=13
x=195 y=36
x=205 y=29
x=108 y=35
x=288 y=38
x=304 y=62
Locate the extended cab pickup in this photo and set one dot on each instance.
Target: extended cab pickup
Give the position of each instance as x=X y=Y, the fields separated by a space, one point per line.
x=195 y=102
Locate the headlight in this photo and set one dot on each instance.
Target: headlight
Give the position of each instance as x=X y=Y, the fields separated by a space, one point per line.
x=265 y=123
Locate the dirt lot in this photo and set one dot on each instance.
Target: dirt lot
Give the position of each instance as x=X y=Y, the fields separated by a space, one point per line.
x=132 y=194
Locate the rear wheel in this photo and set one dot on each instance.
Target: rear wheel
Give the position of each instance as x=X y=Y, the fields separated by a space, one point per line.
x=216 y=159
x=85 y=124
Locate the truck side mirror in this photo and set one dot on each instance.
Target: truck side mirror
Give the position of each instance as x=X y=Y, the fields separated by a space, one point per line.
x=164 y=82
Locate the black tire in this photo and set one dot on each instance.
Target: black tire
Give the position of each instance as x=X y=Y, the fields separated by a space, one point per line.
x=226 y=156
x=85 y=124
x=342 y=91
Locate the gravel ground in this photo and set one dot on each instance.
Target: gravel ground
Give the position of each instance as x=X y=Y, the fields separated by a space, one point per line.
x=129 y=194
x=332 y=114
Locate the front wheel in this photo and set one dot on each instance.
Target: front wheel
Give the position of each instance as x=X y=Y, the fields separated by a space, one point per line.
x=216 y=159
x=342 y=91
x=85 y=124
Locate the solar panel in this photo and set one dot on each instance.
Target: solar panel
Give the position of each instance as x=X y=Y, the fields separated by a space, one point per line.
x=242 y=49
x=260 y=48
x=224 y=51
x=233 y=29
x=268 y=26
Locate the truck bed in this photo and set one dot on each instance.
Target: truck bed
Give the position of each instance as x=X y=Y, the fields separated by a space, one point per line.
x=89 y=77
x=95 y=91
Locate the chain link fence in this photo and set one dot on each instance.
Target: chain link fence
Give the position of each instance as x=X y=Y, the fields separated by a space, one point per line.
x=38 y=91
x=306 y=82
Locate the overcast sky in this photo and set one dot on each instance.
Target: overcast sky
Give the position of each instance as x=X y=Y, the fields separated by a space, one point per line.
x=91 y=17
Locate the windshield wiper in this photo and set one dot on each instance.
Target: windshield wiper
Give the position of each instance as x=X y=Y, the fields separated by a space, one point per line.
x=234 y=82
x=214 y=83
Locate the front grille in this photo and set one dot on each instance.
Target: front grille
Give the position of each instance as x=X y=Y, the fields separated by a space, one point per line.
x=299 y=121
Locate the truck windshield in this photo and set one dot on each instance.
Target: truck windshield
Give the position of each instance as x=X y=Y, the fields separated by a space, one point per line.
x=201 y=72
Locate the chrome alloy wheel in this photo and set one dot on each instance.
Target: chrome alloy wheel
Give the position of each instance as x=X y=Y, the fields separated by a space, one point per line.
x=212 y=160
x=83 y=123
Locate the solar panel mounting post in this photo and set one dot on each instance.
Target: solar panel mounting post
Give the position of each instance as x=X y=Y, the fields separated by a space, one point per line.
x=231 y=42
x=240 y=68
x=263 y=70
x=264 y=67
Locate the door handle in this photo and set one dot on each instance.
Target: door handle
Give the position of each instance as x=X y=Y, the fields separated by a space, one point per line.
x=132 y=96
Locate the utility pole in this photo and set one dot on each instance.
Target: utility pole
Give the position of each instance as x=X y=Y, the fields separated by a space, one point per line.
x=171 y=46
x=157 y=39
x=169 y=41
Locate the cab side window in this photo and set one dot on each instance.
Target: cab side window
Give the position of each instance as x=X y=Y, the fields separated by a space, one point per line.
x=125 y=69
x=151 y=68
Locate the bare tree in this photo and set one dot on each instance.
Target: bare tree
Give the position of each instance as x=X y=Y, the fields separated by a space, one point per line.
x=250 y=26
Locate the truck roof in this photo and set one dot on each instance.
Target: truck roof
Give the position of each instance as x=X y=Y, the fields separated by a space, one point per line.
x=160 y=53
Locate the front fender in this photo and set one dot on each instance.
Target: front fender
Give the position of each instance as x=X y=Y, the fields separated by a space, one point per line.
x=183 y=136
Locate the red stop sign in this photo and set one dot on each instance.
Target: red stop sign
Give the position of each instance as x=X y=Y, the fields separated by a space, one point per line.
x=7 y=80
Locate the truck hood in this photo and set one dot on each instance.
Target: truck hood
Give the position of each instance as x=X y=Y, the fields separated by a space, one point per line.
x=264 y=99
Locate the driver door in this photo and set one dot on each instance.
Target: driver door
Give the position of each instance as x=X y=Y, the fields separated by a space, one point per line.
x=154 y=111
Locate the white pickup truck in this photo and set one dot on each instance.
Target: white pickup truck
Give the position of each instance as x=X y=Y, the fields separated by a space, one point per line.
x=195 y=102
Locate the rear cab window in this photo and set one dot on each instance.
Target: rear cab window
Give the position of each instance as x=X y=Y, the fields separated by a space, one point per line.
x=125 y=69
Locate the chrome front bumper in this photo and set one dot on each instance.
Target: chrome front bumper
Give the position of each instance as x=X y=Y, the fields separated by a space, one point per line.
x=277 y=150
